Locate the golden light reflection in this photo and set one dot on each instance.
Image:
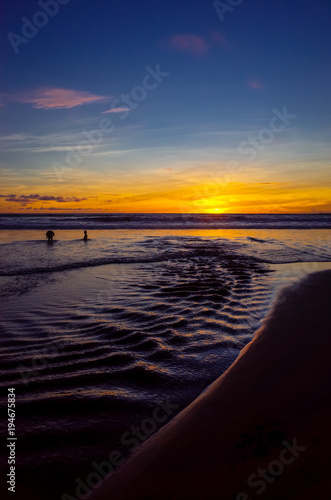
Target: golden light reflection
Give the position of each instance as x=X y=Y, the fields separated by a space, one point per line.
x=171 y=195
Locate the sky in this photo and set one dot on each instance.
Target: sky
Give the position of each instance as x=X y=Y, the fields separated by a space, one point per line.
x=195 y=106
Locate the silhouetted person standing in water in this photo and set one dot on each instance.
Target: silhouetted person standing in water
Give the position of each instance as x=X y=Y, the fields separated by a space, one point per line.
x=85 y=236
x=50 y=235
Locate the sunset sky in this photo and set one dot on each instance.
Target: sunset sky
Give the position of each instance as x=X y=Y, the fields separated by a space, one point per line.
x=166 y=106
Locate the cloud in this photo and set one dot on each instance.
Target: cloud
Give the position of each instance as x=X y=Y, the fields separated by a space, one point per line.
x=24 y=199
x=193 y=44
x=66 y=209
x=56 y=98
x=117 y=110
x=255 y=84
x=219 y=39
x=12 y=137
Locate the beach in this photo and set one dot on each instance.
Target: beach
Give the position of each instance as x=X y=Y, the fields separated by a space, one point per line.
x=106 y=341
x=262 y=428
x=165 y=250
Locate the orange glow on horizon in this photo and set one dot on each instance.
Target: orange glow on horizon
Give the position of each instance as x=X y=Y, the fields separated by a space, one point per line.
x=211 y=198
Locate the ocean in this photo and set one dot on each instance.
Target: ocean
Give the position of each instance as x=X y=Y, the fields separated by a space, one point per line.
x=148 y=311
x=166 y=221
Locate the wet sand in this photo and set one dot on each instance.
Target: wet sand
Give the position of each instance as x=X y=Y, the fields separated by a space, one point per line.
x=261 y=430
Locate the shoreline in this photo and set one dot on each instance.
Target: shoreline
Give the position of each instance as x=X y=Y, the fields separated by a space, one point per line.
x=112 y=290
x=274 y=401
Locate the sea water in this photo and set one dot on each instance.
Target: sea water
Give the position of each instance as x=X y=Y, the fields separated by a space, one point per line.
x=97 y=333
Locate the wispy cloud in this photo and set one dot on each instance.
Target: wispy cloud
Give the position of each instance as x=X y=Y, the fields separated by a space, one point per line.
x=254 y=83
x=24 y=199
x=193 y=44
x=196 y=44
x=117 y=110
x=60 y=141
x=67 y=209
x=13 y=137
x=220 y=39
x=55 y=98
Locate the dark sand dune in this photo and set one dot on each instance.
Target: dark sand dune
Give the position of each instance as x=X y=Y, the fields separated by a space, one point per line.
x=261 y=430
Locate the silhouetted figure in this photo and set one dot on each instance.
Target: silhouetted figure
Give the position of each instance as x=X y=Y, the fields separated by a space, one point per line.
x=85 y=236
x=50 y=235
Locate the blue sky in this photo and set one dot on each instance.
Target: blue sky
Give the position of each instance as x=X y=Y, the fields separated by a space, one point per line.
x=224 y=80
